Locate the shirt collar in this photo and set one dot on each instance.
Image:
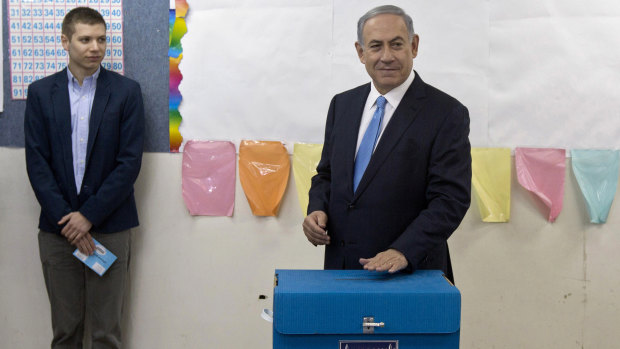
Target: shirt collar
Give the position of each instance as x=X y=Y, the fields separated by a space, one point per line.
x=395 y=95
x=72 y=78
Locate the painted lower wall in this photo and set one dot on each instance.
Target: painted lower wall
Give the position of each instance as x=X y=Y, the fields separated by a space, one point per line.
x=196 y=281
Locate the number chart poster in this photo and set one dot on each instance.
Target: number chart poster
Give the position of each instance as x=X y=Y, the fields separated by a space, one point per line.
x=35 y=48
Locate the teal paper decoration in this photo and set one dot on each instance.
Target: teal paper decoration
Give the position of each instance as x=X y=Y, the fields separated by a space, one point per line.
x=597 y=174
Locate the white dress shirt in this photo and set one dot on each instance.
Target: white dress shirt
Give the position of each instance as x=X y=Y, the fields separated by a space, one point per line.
x=81 y=100
x=393 y=100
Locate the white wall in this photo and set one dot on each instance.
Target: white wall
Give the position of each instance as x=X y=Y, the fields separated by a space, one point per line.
x=196 y=280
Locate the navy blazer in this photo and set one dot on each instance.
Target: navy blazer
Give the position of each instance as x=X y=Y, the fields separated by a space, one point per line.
x=113 y=157
x=416 y=188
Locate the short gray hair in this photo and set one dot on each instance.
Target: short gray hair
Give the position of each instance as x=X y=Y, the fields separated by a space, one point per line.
x=380 y=10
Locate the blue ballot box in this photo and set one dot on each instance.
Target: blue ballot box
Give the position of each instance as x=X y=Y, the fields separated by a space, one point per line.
x=358 y=309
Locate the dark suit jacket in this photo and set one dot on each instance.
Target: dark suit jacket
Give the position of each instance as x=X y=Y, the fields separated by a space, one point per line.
x=113 y=158
x=416 y=188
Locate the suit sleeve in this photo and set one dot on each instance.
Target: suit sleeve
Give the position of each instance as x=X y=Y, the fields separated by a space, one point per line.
x=448 y=190
x=39 y=158
x=321 y=183
x=118 y=185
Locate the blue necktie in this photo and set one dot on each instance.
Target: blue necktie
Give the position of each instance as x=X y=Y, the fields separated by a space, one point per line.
x=368 y=142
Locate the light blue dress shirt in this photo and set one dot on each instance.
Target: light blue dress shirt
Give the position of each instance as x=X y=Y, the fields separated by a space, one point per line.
x=81 y=100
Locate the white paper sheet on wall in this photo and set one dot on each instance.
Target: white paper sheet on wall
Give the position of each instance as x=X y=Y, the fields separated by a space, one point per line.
x=256 y=70
x=268 y=69
x=554 y=74
x=531 y=73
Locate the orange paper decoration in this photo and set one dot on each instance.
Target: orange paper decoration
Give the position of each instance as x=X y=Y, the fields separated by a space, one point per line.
x=264 y=168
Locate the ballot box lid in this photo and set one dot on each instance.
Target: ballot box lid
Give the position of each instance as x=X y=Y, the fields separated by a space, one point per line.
x=338 y=301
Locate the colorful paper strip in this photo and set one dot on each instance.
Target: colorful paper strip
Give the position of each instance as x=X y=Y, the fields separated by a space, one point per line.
x=263 y=171
x=597 y=174
x=173 y=104
x=542 y=171
x=491 y=181
x=181 y=8
x=305 y=159
x=178 y=28
x=209 y=178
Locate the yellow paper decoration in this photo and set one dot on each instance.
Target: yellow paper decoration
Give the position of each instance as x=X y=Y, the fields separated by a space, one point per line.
x=305 y=159
x=491 y=181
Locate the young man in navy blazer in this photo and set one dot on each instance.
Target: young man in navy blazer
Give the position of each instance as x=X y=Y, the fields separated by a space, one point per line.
x=84 y=129
x=396 y=212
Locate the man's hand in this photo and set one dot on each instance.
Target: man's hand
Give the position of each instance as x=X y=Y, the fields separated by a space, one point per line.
x=86 y=245
x=314 y=227
x=390 y=260
x=77 y=226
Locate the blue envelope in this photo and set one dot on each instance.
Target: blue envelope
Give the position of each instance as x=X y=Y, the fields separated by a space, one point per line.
x=100 y=261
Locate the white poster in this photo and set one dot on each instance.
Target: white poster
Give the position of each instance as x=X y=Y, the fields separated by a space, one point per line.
x=554 y=73
x=258 y=70
x=541 y=74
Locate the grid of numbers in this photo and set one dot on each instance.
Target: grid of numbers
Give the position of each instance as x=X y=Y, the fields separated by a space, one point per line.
x=35 y=48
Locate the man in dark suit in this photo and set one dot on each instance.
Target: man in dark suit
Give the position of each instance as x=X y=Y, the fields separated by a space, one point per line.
x=391 y=203
x=84 y=129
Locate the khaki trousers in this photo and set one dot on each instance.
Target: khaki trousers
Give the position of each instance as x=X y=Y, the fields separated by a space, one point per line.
x=76 y=291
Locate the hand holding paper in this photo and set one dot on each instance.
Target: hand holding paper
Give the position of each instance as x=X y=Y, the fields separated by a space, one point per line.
x=100 y=261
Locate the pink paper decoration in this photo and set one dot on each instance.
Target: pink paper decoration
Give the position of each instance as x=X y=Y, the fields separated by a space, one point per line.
x=209 y=178
x=541 y=171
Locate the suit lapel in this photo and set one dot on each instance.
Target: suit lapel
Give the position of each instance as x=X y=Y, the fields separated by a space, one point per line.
x=353 y=118
x=403 y=116
x=62 y=118
x=102 y=94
